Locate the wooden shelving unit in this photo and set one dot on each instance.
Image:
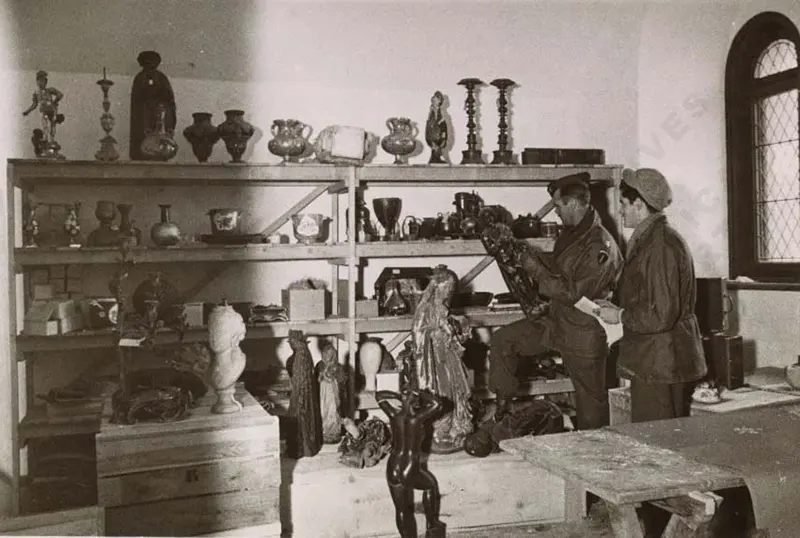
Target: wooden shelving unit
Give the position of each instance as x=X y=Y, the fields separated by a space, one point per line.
x=336 y=181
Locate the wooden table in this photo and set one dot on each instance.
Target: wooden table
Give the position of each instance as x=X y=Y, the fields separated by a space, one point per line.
x=624 y=472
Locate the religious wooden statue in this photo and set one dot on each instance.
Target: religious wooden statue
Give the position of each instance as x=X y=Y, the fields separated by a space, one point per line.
x=438 y=353
x=436 y=130
x=405 y=471
x=331 y=378
x=306 y=437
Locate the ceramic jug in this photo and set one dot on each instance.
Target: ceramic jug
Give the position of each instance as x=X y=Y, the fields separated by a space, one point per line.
x=290 y=139
x=400 y=141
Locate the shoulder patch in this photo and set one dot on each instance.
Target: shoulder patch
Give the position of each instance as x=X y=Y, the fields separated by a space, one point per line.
x=602 y=257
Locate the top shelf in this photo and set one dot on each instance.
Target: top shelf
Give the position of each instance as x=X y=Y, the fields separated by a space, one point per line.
x=31 y=172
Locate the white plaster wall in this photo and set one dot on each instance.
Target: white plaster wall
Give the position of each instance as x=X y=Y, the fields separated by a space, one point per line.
x=681 y=126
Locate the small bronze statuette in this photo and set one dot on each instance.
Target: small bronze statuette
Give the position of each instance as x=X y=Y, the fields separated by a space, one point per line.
x=46 y=99
x=503 y=155
x=437 y=133
x=471 y=155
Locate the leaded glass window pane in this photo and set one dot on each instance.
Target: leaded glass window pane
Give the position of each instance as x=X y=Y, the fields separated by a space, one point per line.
x=777 y=170
x=778 y=56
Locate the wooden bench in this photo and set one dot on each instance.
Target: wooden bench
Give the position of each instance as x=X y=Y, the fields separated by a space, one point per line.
x=625 y=472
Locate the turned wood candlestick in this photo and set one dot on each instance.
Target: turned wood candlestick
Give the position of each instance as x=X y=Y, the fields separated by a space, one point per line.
x=502 y=155
x=471 y=155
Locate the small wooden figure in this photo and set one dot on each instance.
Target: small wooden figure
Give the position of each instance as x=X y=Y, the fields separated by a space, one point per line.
x=331 y=377
x=306 y=440
x=404 y=470
x=436 y=131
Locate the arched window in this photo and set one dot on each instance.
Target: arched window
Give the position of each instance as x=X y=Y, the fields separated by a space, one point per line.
x=762 y=126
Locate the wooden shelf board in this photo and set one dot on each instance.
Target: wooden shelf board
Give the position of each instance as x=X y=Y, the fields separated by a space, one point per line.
x=499 y=175
x=477 y=317
x=106 y=338
x=26 y=257
x=136 y=173
x=37 y=424
x=426 y=248
x=536 y=387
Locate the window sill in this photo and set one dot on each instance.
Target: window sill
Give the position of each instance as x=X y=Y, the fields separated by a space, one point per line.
x=763 y=286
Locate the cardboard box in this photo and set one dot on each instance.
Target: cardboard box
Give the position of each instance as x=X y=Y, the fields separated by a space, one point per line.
x=194 y=314
x=49 y=317
x=306 y=304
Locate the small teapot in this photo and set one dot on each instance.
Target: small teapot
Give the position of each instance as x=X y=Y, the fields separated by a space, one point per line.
x=429 y=227
x=526 y=226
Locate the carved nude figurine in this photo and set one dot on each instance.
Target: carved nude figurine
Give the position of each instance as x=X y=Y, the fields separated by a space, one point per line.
x=404 y=470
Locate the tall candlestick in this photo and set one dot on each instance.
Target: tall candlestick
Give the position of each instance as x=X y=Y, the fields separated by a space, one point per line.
x=472 y=155
x=502 y=155
x=108 y=151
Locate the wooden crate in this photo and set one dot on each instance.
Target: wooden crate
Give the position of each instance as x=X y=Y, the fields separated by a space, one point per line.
x=201 y=474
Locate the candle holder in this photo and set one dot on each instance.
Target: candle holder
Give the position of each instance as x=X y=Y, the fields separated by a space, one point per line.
x=108 y=150
x=471 y=155
x=502 y=155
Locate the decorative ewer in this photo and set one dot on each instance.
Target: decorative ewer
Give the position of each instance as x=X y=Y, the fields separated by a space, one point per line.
x=165 y=233
x=235 y=132
x=226 y=330
x=108 y=144
x=471 y=155
x=152 y=102
x=400 y=141
x=158 y=144
x=30 y=228
x=72 y=225
x=126 y=228
x=46 y=99
x=290 y=139
x=437 y=132
x=502 y=155
x=202 y=135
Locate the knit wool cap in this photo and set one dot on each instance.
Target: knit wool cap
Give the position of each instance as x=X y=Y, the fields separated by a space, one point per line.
x=651 y=185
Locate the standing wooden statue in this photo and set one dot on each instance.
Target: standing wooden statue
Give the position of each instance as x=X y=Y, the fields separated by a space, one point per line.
x=438 y=353
x=331 y=377
x=306 y=439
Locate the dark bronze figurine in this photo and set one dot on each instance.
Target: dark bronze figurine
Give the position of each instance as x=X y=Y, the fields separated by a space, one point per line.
x=404 y=470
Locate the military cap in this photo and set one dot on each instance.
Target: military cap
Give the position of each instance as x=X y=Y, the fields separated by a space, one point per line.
x=581 y=178
x=651 y=185
x=41 y=74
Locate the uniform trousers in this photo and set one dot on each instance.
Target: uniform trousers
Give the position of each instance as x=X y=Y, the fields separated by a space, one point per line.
x=586 y=370
x=659 y=401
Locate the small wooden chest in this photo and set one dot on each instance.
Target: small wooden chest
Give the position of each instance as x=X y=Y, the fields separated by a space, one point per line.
x=201 y=474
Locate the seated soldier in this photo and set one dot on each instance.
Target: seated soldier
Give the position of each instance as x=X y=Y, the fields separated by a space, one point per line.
x=585 y=261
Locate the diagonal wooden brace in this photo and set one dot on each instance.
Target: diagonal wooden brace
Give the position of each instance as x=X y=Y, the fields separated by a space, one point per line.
x=273 y=227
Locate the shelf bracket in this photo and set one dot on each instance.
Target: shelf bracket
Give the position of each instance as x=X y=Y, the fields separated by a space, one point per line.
x=215 y=272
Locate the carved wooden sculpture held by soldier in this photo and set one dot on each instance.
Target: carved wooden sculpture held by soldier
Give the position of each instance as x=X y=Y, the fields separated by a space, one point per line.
x=438 y=353
x=510 y=253
x=331 y=377
x=404 y=470
x=304 y=403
